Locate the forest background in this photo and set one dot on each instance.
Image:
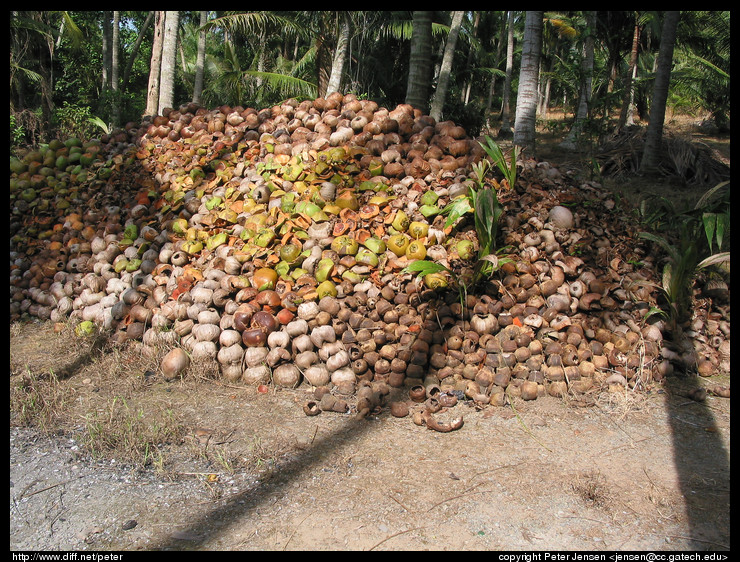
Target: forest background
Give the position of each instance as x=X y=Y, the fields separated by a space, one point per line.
x=86 y=73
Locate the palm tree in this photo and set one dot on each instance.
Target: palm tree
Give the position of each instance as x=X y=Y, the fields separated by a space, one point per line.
x=200 y=58
x=33 y=40
x=626 y=114
x=584 y=97
x=250 y=71
x=152 y=97
x=115 y=55
x=701 y=72
x=526 y=103
x=420 y=61
x=505 y=130
x=135 y=49
x=654 y=134
x=465 y=91
x=169 y=57
x=444 y=75
x=340 y=55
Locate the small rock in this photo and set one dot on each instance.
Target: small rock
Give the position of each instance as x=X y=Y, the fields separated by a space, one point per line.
x=128 y=525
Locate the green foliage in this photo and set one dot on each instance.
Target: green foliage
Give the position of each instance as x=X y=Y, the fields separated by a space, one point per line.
x=497 y=156
x=483 y=203
x=678 y=274
x=425 y=267
x=25 y=129
x=17 y=132
x=701 y=74
x=692 y=249
x=456 y=209
x=98 y=122
x=714 y=207
x=76 y=121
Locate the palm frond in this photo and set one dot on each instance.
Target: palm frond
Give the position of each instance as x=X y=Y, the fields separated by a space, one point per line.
x=250 y=22
x=289 y=86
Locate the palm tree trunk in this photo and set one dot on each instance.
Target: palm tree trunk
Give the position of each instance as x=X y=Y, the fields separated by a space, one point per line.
x=526 y=102
x=261 y=63
x=420 y=61
x=625 y=116
x=505 y=130
x=105 y=52
x=200 y=59
x=584 y=98
x=444 y=75
x=492 y=86
x=116 y=110
x=135 y=50
x=152 y=97
x=169 y=60
x=546 y=85
x=465 y=93
x=654 y=133
x=340 y=56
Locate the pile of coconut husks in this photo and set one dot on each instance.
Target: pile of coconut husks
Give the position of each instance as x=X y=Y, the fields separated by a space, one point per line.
x=276 y=242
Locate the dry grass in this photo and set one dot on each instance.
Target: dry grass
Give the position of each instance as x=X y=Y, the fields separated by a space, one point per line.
x=591 y=486
x=132 y=433
x=61 y=383
x=622 y=403
x=38 y=402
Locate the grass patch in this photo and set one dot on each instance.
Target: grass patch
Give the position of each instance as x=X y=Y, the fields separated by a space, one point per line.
x=38 y=402
x=61 y=383
x=131 y=432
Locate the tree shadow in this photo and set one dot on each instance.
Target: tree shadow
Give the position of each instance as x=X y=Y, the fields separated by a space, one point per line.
x=702 y=463
x=97 y=344
x=218 y=520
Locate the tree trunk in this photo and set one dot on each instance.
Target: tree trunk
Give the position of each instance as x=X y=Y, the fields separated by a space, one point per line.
x=340 y=56
x=505 y=130
x=545 y=87
x=105 y=53
x=545 y=105
x=45 y=60
x=169 y=61
x=654 y=133
x=444 y=74
x=626 y=115
x=420 y=61
x=492 y=87
x=584 y=97
x=526 y=102
x=152 y=96
x=323 y=64
x=465 y=92
x=135 y=50
x=115 y=51
x=200 y=59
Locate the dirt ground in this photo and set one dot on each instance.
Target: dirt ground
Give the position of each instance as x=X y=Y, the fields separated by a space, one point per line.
x=614 y=471
x=121 y=460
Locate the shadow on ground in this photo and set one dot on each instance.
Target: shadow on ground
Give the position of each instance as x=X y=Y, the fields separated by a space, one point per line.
x=702 y=463
x=700 y=457
x=219 y=520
